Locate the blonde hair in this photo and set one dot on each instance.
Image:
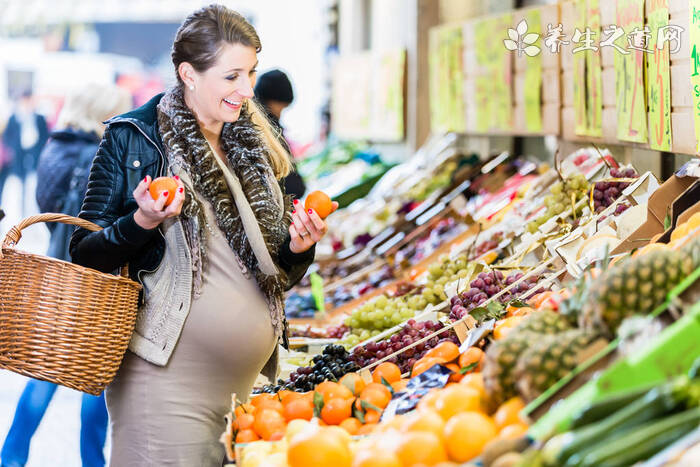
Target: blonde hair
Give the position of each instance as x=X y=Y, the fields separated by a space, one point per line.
x=85 y=109
x=198 y=42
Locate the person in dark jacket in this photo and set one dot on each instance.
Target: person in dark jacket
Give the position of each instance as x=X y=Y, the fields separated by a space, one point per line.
x=63 y=170
x=214 y=261
x=24 y=137
x=273 y=90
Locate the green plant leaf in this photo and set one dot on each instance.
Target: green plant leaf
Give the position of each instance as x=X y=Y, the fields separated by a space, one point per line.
x=388 y=385
x=318 y=404
x=358 y=413
x=368 y=405
x=468 y=368
x=518 y=303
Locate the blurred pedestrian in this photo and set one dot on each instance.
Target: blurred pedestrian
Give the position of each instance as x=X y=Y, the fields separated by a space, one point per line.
x=24 y=137
x=63 y=170
x=274 y=92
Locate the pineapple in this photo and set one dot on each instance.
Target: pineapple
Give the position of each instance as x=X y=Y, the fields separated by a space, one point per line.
x=499 y=365
x=543 y=322
x=548 y=360
x=692 y=250
x=502 y=355
x=636 y=286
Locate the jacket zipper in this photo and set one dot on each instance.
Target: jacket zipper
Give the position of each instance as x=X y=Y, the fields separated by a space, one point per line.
x=160 y=173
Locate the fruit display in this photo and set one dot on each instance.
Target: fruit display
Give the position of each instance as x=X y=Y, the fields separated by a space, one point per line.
x=300 y=306
x=468 y=381
x=423 y=247
x=486 y=285
x=606 y=192
x=563 y=195
x=332 y=365
x=411 y=332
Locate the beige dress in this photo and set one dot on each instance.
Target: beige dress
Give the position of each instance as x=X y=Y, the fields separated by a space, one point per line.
x=174 y=415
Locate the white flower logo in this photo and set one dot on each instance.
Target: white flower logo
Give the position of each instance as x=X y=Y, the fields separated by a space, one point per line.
x=521 y=41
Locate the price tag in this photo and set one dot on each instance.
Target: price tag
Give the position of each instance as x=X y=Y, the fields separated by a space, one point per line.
x=461 y=330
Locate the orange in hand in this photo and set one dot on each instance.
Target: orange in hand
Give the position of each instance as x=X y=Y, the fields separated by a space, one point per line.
x=319 y=202
x=162 y=184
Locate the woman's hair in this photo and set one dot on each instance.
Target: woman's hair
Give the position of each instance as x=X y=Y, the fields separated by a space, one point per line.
x=86 y=108
x=199 y=41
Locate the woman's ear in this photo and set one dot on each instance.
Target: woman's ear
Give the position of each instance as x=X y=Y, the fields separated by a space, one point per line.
x=187 y=74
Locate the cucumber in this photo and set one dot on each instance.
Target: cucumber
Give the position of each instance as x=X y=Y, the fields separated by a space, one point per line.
x=602 y=408
x=643 y=442
x=656 y=403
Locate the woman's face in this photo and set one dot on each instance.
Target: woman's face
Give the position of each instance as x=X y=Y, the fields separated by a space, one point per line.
x=221 y=90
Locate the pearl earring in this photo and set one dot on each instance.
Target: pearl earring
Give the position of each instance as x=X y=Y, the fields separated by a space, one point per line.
x=191 y=87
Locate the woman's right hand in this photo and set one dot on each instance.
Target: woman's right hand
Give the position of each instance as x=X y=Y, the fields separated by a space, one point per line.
x=152 y=212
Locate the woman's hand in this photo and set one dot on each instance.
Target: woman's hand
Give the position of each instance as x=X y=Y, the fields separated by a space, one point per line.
x=307 y=228
x=152 y=212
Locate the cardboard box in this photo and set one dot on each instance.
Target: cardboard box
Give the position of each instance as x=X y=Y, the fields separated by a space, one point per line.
x=610 y=125
x=566 y=57
x=519 y=118
x=468 y=34
x=681 y=19
x=551 y=88
x=683 y=207
x=658 y=207
x=683 y=130
x=677 y=6
x=567 y=89
x=681 y=89
x=608 y=13
x=608 y=85
x=470 y=66
x=519 y=88
x=551 y=118
x=607 y=57
x=568 y=17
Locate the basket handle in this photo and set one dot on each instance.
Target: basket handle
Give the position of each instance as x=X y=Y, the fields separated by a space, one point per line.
x=15 y=233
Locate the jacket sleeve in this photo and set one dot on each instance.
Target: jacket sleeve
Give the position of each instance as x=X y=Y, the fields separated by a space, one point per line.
x=121 y=237
x=295 y=264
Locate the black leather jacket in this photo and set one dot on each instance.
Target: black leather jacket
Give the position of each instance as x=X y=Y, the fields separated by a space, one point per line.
x=131 y=149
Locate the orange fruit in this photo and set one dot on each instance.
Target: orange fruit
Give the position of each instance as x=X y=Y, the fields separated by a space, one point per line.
x=447 y=351
x=425 y=364
x=366 y=429
x=246 y=436
x=470 y=356
x=420 y=447
x=319 y=202
x=400 y=385
x=273 y=404
x=466 y=434
x=504 y=326
x=267 y=422
x=679 y=232
x=321 y=448
x=424 y=420
x=353 y=382
x=160 y=185
x=536 y=301
x=336 y=410
x=276 y=436
x=330 y=390
x=387 y=370
x=257 y=400
x=456 y=399
x=298 y=409
x=351 y=425
x=245 y=408
x=427 y=402
x=243 y=421
x=376 y=394
x=514 y=431
x=372 y=416
x=456 y=375
x=476 y=382
x=376 y=458
x=509 y=413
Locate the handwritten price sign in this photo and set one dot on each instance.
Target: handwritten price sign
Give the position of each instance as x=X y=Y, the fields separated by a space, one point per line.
x=658 y=80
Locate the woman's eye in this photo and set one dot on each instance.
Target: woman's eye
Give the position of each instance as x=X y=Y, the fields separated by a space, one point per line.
x=252 y=72
x=232 y=77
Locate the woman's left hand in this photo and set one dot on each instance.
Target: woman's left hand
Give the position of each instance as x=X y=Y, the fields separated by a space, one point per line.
x=307 y=228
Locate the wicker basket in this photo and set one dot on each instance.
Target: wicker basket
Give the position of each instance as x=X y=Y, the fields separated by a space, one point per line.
x=61 y=322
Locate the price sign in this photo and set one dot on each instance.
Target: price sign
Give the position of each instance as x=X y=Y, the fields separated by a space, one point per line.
x=694 y=7
x=533 y=78
x=580 y=113
x=658 y=79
